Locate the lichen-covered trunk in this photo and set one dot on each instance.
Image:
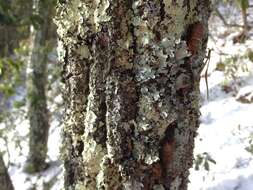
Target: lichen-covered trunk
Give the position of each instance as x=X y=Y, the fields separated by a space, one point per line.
x=36 y=90
x=132 y=71
x=5 y=180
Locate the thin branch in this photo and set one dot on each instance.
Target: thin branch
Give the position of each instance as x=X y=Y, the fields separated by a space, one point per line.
x=224 y=20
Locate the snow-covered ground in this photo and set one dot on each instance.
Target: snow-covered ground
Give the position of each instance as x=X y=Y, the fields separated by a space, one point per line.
x=225 y=132
x=226 y=129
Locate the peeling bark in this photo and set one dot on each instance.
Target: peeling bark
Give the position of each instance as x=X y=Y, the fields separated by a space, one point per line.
x=135 y=67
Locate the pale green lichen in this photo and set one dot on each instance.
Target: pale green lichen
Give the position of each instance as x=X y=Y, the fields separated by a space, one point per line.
x=182 y=51
x=72 y=18
x=132 y=184
x=80 y=186
x=61 y=51
x=91 y=119
x=175 y=184
x=178 y=14
x=193 y=15
x=70 y=125
x=84 y=52
x=77 y=15
x=93 y=154
x=144 y=34
x=154 y=59
x=100 y=14
x=108 y=176
x=152 y=158
x=158 y=187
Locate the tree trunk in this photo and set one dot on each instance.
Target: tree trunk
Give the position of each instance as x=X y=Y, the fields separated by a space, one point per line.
x=5 y=180
x=245 y=21
x=132 y=71
x=36 y=90
x=9 y=35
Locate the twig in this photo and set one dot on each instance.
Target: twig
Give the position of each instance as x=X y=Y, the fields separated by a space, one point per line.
x=206 y=72
x=224 y=20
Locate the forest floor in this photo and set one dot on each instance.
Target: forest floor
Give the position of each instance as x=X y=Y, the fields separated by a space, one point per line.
x=224 y=145
x=225 y=135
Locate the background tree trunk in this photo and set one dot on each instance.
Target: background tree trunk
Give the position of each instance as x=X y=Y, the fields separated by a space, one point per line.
x=132 y=71
x=9 y=34
x=5 y=180
x=36 y=89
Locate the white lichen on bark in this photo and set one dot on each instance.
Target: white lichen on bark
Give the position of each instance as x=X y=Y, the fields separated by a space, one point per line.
x=132 y=110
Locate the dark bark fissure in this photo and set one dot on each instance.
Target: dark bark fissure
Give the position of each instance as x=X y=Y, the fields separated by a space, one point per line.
x=98 y=73
x=162 y=11
x=76 y=76
x=121 y=95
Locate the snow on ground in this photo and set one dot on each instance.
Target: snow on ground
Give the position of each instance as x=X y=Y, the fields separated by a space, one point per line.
x=50 y=179
x=224 y=133
x=226 y=124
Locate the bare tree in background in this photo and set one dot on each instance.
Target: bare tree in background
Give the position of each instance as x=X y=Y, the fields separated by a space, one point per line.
x=36 y=88
x=5 y=180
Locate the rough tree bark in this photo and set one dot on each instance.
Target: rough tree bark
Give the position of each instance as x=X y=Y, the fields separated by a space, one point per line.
x=5 y=180
x=132 y=71
x=36 y=93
